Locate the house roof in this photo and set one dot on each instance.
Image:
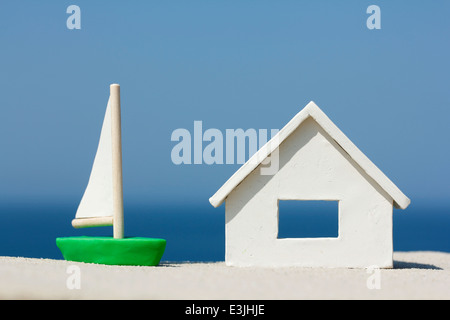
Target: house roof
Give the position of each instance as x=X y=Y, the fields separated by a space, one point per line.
x=312 y=110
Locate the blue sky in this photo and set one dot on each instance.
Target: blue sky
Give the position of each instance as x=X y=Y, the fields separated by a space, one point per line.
x=230 y=64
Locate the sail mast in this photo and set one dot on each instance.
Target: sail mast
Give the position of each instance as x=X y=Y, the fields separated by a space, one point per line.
x=116 y=137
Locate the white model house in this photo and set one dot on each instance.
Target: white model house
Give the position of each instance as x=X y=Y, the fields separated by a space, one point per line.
x=316 y=161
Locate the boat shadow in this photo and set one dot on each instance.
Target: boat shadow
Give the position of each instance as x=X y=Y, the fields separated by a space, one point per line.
x=169 y=264
x=177 y=264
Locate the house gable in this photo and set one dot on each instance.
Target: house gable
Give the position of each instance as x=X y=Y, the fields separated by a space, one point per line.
x=336 y=135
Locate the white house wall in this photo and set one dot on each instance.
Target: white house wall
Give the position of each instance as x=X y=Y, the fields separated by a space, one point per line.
x=312 y=167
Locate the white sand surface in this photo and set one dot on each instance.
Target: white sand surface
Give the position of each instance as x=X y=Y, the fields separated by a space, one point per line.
x=416 y=275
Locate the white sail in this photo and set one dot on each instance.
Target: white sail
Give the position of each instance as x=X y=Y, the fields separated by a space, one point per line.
x=97 y=200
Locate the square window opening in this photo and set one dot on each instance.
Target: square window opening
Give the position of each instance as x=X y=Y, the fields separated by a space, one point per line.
x=308 y=219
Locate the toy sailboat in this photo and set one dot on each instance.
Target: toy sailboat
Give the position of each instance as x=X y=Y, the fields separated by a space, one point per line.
x=102 y=205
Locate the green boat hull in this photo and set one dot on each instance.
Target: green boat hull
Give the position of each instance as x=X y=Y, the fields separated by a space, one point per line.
x=110 y=251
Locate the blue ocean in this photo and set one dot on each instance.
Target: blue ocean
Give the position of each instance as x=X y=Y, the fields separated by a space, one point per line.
x=197 y=232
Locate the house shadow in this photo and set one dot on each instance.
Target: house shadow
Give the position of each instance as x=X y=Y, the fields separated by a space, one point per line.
x=414 y=265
